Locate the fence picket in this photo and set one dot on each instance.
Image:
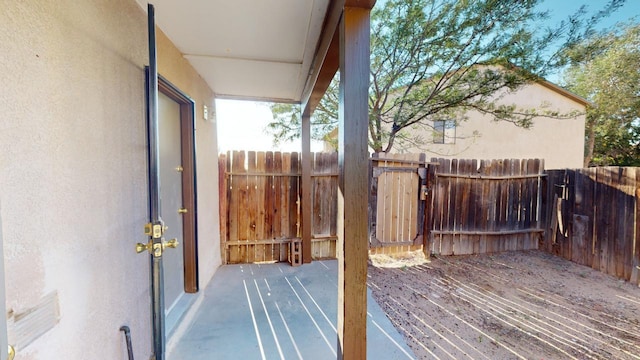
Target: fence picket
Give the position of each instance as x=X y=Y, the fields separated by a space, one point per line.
x=261 y=250
x=579 y=224
x=513 y=202
x=241 y=184
x=269 y=194
x=223 y=198
x=276 y=226
x=589 y=177
x=294 y=198
x=635 y=261
x=446 y=243
x=628 y=240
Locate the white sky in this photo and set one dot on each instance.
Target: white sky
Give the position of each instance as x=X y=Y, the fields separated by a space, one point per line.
x=241 y=126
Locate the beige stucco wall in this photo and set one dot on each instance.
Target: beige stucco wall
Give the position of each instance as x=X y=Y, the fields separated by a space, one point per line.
x=73 y=181
x=560 y=142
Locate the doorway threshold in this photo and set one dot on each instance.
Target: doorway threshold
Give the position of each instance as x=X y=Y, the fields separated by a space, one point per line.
x=177 y=312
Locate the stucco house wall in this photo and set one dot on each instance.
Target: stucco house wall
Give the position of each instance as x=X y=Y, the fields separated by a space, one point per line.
x=73 y=173
x=560 y=142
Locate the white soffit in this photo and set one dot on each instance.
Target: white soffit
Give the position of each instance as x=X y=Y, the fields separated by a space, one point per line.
x=246 y=49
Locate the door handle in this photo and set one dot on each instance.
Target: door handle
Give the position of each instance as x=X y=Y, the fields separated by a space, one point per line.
x=156 y=248
x=12 y=353
x=182 y=211
x=173 y=243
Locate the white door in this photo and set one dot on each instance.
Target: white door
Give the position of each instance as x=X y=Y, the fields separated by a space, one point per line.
x=171 y=197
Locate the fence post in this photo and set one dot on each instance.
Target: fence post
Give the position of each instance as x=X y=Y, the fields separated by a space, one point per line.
x=635 y=270
x=373 y=200
x=222 y=202
x=428 y=212
x=307 y=159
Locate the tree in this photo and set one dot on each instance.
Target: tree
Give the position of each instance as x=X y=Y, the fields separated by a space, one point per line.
x=605 y=69
x=287 y=121
x=436 y=59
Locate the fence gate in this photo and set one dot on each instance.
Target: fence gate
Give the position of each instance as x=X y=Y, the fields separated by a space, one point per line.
x=493 y=207
x=397 y=200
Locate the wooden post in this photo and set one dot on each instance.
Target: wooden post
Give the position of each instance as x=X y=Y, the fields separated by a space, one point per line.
x=305 y=194
x=223 y=204
x=635 y=262
x=353 y=183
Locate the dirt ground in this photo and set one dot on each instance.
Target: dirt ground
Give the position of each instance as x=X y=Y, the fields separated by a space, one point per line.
x=513 y=305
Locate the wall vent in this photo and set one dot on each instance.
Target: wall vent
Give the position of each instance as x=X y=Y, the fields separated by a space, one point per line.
x=25 y=327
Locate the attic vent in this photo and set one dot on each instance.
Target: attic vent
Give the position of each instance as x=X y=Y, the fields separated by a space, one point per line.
x=25 y=327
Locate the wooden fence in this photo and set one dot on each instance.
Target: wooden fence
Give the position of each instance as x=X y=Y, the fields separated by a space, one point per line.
x=487 y=208
x=589 y=216
x=592 y=217
x=260 y=205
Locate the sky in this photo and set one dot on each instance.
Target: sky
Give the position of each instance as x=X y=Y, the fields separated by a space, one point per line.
x=241 y=124
x=561 y=9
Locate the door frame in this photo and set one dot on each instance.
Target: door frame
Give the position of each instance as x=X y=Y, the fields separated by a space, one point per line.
x=189 y=196
x=3 y=324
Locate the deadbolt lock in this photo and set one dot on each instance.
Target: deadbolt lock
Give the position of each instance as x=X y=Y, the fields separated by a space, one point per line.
x=154 y=230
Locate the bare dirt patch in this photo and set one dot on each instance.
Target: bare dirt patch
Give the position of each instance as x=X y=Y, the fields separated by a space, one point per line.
x=514 y=305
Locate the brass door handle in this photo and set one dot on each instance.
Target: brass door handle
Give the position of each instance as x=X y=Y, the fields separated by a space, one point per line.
x=173 y=243
x=182 y=211
x=156 y=248
x=140 y=247
x=12 y=353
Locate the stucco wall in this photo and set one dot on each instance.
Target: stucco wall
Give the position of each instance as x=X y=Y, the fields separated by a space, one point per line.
x=559 y=141
x=73 y=180
x=173 y=66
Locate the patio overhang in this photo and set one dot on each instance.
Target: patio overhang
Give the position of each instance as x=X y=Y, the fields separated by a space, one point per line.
x=256 y=50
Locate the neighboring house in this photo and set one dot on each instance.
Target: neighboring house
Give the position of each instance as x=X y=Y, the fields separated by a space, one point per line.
x=75 y=187
x=560 y=142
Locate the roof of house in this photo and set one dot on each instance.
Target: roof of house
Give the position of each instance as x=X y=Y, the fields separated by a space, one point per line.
x=564 y=92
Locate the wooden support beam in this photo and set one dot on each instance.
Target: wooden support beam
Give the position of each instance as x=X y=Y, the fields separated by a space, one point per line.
x=353 y=160
x=305 y=193
x=326 y=60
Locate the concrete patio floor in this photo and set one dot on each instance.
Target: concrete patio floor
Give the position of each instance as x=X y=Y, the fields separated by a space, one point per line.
x=276 y=311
